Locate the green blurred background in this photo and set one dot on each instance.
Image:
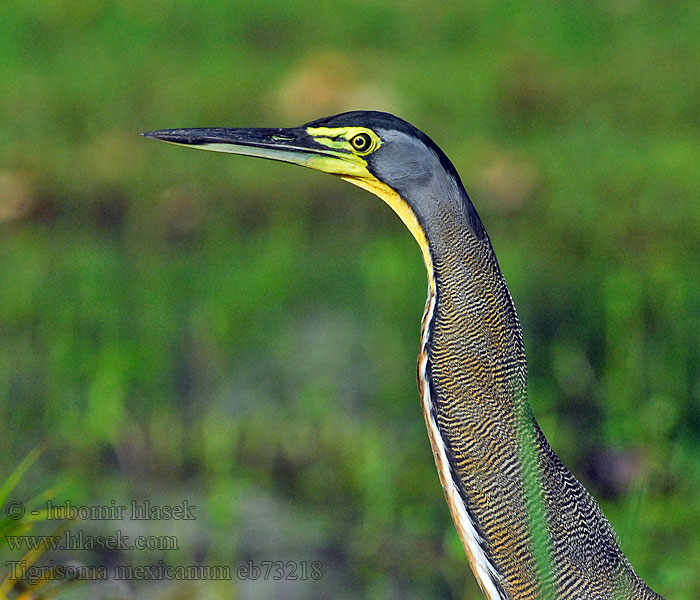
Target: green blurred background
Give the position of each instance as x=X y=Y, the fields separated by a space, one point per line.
x=243 y=335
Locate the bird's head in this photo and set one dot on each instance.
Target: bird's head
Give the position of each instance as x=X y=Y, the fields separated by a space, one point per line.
x=374 y=150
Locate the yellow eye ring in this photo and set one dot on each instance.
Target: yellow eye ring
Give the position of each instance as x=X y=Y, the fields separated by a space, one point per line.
x=362 y=142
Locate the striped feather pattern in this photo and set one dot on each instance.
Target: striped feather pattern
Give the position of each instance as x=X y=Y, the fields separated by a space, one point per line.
x=473 y=379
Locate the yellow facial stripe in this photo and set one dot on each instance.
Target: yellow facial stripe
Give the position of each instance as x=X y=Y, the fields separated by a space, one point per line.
x=401 y=208
x=346 y=165
x=339 y=138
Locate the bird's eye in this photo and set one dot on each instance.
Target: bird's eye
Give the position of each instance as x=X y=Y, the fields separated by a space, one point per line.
x=361 y=142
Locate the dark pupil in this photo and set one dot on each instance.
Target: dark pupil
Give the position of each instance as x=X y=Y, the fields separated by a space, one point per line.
x=360 y=142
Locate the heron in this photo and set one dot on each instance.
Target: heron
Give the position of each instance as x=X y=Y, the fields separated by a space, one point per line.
x=529 y=529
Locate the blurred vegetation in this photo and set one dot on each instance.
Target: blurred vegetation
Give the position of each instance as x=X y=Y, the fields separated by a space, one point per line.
x=241 y=334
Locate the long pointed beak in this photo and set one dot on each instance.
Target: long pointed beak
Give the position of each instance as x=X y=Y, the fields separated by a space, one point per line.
x=292 y=145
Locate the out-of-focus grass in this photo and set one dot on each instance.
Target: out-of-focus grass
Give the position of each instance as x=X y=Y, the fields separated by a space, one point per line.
x=243 y=334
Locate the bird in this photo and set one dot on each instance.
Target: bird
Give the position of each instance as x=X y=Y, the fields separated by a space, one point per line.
x=529 y=529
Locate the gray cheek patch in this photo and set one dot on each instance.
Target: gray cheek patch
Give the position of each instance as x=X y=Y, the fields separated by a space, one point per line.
x=423 y=176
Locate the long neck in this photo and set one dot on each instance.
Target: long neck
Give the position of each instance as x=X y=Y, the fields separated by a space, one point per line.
x=517 y=509
x=473 y=378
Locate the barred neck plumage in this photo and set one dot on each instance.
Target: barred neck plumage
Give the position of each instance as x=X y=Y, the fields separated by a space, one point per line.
x=530 y=530
x=472 y=362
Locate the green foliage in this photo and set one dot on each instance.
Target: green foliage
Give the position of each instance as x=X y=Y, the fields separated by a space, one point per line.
x=243 y=334
x=18 y=520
